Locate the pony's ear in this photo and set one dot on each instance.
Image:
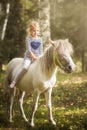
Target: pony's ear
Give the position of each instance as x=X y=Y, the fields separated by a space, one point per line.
x=52 y=42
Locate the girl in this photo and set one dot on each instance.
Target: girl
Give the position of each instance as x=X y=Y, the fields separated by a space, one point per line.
x=34 y=48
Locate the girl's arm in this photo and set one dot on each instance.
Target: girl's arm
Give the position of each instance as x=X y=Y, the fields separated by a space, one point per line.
x=28 y=47
x=32 y=55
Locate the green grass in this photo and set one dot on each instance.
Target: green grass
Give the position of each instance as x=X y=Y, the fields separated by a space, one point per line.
x=69 y=106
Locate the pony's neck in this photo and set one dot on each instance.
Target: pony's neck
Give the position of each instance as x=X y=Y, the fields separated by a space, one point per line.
x=47 y=63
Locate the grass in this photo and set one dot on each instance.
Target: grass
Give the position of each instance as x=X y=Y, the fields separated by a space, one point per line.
x=69 y=106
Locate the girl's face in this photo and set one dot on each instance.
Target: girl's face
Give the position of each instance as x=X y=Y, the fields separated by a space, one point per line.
x=34 y=32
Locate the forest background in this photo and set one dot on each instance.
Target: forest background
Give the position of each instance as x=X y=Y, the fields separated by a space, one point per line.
x=59 y=19
x=64 y=19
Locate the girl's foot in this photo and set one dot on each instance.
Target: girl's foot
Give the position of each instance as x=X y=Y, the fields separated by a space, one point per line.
x=12 y=84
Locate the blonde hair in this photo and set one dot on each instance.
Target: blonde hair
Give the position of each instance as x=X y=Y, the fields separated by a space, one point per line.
x=34 y=25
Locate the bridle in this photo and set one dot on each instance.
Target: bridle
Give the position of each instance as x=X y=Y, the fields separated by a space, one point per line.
x=57 y=61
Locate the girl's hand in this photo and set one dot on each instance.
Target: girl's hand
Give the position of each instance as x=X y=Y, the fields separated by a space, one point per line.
x=32 y=55
x=35 y=58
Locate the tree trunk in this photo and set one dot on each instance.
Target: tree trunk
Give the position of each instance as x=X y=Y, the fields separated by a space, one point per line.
x=0 y=8
x=83 y=61
x=0 y=20
x=44 y=19
x=5 y=22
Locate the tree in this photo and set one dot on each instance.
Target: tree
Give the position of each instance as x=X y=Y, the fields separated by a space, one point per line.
x=13 y=43
x=5 y=22
x=44 y=19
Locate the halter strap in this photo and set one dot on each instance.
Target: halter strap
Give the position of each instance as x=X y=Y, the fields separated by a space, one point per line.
x=57 y=62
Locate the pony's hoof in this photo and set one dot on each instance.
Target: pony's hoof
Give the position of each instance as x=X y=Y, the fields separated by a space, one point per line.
x=31 y=125
x=10 y=120
x=53 y=123
x=26 y=120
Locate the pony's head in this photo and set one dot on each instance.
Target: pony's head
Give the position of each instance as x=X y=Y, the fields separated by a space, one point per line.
x=62 y=55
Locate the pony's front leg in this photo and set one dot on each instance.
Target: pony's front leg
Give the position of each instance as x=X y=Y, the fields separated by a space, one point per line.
x=35 y=105
x=21 y=97
x=49 y=105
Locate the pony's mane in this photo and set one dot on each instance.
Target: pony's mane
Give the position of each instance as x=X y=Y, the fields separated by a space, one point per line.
x=64 y=45
x=47 y=58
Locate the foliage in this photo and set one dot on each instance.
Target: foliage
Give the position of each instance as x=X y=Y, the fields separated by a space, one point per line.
x=70 y=22
x=31 y=10
x=69 y=101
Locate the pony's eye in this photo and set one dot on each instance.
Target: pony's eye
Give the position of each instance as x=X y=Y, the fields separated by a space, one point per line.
x=64 y=60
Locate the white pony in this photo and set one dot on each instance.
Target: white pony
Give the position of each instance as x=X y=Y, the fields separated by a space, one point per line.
x=41 y=76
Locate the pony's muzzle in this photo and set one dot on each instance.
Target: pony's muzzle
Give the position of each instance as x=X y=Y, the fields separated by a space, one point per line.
x=71 y=68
